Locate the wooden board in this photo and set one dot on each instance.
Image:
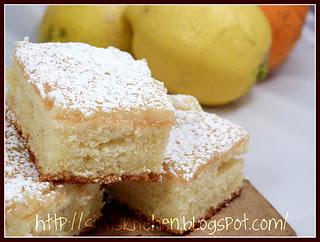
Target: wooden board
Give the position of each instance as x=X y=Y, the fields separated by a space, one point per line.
x=250 y=206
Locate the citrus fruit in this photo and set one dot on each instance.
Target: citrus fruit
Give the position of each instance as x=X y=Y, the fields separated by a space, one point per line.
x=215 y=53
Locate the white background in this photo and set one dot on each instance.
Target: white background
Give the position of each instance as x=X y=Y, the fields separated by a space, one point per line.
x=279 y=113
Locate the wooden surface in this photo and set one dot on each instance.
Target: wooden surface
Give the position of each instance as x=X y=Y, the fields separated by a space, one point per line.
x=250 y=206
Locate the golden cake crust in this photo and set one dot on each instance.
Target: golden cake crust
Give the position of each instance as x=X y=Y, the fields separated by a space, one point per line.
x=79 y=82
x=67 y=177
x=105 y=180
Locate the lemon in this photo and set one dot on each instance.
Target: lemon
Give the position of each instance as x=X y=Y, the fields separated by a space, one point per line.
x=215 y=53
x=100 y=26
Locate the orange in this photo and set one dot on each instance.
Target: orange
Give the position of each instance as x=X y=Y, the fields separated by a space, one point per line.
x=286 y=24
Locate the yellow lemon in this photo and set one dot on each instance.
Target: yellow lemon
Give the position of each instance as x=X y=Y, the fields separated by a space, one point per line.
x=100 y=26
x=215 y=53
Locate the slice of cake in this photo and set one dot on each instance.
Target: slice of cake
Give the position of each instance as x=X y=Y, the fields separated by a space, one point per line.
x=89 y=114
x=185 y=102
x=33 y=207
x=201 y=173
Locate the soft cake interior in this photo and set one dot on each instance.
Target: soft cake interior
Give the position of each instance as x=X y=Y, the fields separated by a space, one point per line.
x=175 y=199
x=86 y=150
x=33 y=207
x=74 y=212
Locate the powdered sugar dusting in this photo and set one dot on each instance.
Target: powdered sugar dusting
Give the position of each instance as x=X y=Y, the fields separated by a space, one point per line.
x=185 y=102
x=21 y=177
x=80 y=77
x=197 y=138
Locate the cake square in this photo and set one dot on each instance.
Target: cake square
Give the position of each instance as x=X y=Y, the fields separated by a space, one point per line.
x=201 y=172
x=185 y=102
x=39 y=208
x=89 y=114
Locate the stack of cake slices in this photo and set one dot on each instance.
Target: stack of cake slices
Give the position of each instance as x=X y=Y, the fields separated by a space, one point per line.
x=82 y=121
